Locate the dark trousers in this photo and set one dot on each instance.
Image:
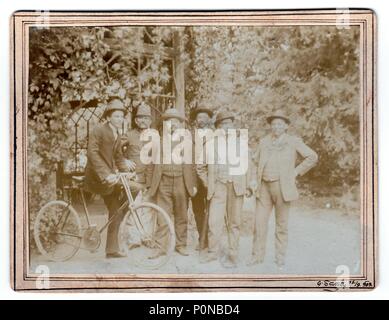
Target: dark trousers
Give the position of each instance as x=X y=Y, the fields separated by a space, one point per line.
x=271 y=197
x=200 y=208
x=173 y=198
x=113 y=201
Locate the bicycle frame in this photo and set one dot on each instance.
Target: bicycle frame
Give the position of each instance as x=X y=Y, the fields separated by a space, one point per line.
x=123 y=178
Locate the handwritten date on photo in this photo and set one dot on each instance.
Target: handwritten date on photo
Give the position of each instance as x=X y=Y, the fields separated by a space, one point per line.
x=196 y=309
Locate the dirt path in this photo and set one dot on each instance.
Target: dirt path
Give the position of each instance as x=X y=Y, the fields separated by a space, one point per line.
x=319 y=241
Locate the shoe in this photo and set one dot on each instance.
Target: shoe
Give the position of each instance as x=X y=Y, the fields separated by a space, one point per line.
x=203 y=254
x=207 y=258
x=133 y=246
x=182 y=251
x=114 y=255
x=155 y=255
x=254 y=261
x=229 y=264
x=280 y=264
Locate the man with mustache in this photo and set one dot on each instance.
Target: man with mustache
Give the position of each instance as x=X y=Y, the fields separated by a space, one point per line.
x=276 y=184
x=142 y=121
x=171 y=185
x=225 y=192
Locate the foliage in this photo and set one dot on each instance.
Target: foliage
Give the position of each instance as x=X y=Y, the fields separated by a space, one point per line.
x=82 y=64
x=312 y=73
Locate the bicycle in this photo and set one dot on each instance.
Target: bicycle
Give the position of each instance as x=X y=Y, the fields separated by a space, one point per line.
x=59 y=234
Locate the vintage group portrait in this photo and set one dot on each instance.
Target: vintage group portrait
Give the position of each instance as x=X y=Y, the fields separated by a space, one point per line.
x=187 y=151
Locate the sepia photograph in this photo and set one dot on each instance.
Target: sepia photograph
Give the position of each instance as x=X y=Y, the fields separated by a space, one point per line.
x=194 y=150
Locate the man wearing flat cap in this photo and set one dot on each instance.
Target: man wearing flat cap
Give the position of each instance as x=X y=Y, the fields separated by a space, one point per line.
x=142 y=121
x=171 y=185
x=105 y=159
x=276 y=184
x=132 y=151
x=201 y=118
x=225 y=192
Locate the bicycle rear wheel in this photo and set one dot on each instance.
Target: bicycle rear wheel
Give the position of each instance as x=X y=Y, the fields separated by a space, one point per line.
x=147 y=235
x=57 y=231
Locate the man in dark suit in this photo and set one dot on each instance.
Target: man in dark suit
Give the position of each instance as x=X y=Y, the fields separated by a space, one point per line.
x=171 y=185
x=276 y=184
x=202 y=119
x=105 y=160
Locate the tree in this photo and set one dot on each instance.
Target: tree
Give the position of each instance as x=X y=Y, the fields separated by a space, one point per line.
x=310 y=72
x=82 y=64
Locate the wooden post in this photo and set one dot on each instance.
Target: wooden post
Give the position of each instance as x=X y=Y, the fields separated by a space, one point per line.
x=179 y=74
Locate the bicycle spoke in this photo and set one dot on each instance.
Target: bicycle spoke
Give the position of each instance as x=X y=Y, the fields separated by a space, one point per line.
x=68 y=234
x=69 y=244
x=135 y=214
x=59 y=220
x=57 y=230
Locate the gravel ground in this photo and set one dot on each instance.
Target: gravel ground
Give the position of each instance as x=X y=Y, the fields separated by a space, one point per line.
x=320 y=240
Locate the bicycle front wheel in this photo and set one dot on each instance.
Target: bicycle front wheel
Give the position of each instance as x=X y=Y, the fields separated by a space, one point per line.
x=147 y=235
x=57 y=231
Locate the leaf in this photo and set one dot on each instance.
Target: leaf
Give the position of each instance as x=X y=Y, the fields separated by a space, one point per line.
x=115 y=66
x=67 y=64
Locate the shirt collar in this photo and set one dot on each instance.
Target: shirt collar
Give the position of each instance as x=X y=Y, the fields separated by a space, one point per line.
x=115 y=130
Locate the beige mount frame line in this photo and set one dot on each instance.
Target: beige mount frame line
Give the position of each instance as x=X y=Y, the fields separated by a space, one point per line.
x=23 y=279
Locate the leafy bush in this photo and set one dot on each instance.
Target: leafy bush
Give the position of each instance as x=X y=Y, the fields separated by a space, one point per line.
x=310 y=72
x=82 y=64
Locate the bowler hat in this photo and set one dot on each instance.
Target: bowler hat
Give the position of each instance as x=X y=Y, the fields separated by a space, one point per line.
x=114 y=104
x=198 y=110
x=172 y=113
x=278 y=115
x=223 y=116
